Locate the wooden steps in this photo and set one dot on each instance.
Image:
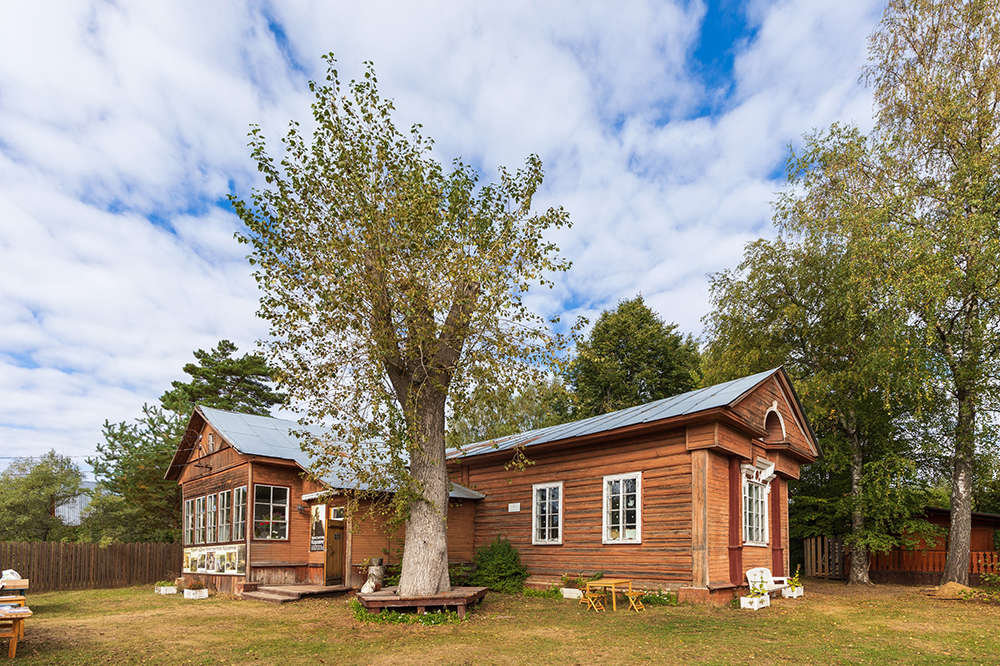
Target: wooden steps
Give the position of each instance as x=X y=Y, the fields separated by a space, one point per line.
x=279 y=594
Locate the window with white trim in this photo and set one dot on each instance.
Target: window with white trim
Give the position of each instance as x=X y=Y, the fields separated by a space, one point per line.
x=240 y=514
x=546 y=511
x=199 y=520
x=623 y=508
x=756 y=488
x=188 y=522
x=225 y=514
x=270 y=512
x=211 y=515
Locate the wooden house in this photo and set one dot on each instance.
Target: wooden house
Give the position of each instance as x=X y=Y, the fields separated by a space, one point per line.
x=686 y=493
x=249 y=513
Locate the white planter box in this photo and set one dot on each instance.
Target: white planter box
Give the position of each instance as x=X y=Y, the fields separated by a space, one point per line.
x=790 y=593
x=166 y=590
x=571 y=593
x=196 y=594
x=755 y=603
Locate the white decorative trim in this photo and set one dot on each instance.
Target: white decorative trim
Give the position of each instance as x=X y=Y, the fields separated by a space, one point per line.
x=761 y=474
x=774 y=408
x=638 y=508
x=534 y=514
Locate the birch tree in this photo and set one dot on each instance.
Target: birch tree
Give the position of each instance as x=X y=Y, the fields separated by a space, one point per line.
x=394 y=291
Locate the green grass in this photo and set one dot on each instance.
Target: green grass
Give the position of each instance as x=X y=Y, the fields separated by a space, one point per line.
x=832 y=624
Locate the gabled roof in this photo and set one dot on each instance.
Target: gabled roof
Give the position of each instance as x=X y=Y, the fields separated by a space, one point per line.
x=726 y=394
x=269 y=437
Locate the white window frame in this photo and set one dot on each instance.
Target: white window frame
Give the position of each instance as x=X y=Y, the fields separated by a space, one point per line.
x=211 y=518
x=536 y=518
x=199 y=520
x=188 y=522
x=225 y=515
x=240 y=513
x=606 y=508
x=288 y=501
x=756 y=502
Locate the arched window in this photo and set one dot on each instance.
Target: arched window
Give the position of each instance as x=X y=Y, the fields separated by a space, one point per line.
x=774 y=425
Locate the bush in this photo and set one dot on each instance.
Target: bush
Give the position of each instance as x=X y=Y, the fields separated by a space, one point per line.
x=362 y=614
x=498 y=567
x=548 y=593
x=659 y=598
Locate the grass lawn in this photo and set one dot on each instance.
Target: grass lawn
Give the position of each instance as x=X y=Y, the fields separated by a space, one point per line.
x=832 y=624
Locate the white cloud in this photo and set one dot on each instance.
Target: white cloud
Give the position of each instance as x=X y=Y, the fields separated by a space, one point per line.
x=123 y=125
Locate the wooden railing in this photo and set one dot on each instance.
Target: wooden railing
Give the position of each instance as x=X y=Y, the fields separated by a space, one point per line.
x=85 y=566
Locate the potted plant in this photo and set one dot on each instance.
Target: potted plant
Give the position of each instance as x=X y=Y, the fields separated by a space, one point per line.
x=165 y=587
x=794 y=588
x=196 y=590
x=756 y=599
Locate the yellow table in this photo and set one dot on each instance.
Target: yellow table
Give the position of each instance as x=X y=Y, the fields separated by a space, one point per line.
x=605 y=583
x=16 y=628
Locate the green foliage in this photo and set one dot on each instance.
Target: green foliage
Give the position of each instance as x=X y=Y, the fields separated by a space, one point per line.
x=499 y=567
x=659 y=598
x=135 y=503
x=31 y=489
x=795 y=581
x=166 y=583
x=387 y=616
x=223 y=381
x=547 y=593
x=631 y=357
x=459 y=574
x=502 y=411
x=394 y=290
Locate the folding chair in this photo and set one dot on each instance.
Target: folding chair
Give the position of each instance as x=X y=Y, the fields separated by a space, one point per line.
x=595 y=600
x=635 y=601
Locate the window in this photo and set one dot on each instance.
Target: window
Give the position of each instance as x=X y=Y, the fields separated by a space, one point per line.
x=270 y=512
x=188 y=522
x=623 y=508
x=337 y=513
x=212 y=519
x=225 y=514
x=211 y=442
x=546 y=525
x=199 y=520
x=240 y=514
x=756 y=487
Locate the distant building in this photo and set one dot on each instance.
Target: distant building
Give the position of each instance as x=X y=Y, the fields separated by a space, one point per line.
x=72 y=511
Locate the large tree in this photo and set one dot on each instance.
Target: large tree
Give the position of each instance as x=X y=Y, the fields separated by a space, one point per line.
x=136 y=503
x=394 y=290
x=919 y=200
x=31 y=489
x=631 y=357
x=793 y=303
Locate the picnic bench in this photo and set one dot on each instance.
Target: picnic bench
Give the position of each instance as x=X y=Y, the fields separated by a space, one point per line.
x=15 y=616
x=762 y=576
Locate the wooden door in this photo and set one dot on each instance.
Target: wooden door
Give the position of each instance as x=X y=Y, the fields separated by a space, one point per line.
x=335 y=552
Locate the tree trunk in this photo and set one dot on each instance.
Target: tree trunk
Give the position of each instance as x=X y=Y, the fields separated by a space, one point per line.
x=425 y=553
x=859 y=554
x=956 y=564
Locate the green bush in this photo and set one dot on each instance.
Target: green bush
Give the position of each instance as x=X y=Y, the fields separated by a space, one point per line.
x=659 y=598
x=548 y=593
x=362 y=614
x=498 y=567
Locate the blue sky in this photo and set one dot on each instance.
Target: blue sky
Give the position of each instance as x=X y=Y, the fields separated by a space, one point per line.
x=663 y=128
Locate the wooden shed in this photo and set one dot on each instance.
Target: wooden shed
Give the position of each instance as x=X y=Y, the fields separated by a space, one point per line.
x=686 y=493
x=250 y=514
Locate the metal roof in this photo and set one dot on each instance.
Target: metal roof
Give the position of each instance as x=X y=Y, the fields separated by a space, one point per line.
x=720 y=395
x=267 y=436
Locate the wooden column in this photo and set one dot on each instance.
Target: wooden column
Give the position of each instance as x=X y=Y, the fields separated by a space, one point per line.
x=777 y=503
x=735 y=515
x=699 y=518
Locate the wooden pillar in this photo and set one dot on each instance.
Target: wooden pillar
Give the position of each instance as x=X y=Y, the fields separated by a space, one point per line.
x=735 y=515
x=777 y=550
x=699 y=518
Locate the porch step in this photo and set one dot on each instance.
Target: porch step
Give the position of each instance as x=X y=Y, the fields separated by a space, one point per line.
x=269 y=597
x=290 y=594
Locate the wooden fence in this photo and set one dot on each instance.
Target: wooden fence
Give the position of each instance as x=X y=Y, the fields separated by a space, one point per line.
x=826 y=557
x=85 y=566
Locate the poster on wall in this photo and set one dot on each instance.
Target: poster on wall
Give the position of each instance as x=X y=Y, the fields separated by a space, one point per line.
x=317 y=531
x=218 y=560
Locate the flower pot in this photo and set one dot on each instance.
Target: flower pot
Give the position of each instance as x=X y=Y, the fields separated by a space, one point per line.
x=571 y=593
x=196 y=594
x=166 y=589
x=792 y=592
x=755 y=603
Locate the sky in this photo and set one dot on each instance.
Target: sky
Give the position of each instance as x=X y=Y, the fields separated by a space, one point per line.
x=663 y=128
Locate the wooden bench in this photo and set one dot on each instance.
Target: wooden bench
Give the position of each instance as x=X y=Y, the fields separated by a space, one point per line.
x=762 y=576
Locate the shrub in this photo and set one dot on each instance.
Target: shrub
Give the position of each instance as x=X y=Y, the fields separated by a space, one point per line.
x=362 y=614
x=548 y=593
x=659 y=598
x=498 y=567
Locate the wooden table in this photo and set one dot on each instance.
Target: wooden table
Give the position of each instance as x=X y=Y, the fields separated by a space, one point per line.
x=605 y=583
x=16 y=628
